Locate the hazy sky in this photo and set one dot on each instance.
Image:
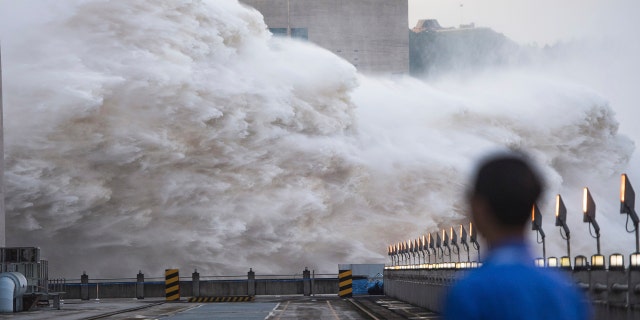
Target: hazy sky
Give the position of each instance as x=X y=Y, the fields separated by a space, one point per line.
x=527 y=21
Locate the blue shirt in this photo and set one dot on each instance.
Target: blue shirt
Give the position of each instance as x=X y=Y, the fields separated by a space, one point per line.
x=509 y=286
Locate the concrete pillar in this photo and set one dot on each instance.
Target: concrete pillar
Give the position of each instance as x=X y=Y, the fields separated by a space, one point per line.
x=251 y=283
x=84 y=286
x=195 y=283
x=2 y=214
x=306 y=282
x=56 y=301
x=140 y=285
x=634 y=280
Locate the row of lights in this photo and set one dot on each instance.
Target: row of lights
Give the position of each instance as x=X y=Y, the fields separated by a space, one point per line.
x=616 y=261
x=436 y=266
x=428 y=245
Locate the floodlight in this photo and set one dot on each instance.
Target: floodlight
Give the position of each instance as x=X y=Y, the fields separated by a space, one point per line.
x=536 y=224
x=597 y=262
x=463 y=235
x=439 y=245
x=589 y=209
x=561 y=221
x=445 y=238
x=616 y=262
x=552 y=262
x=453 y=237
x=536 y=218
x=431 y=243
x=627 y=195
x=473 y=237
x=561 y=213
x=463 y=241
x=473 y=234
x=445 y=243
x=627 y=204
x=588 y=206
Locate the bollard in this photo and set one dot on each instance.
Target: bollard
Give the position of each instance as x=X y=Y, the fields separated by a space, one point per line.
x=306 y=281
x=617 y=281
x=140 y=285
x=251 y=283
x=598 y=279
x=345 y=282
x=634 y=279
x=56 y=301
x=581 y=273
x=195 y=283
x=84 y=286
x=172 y=284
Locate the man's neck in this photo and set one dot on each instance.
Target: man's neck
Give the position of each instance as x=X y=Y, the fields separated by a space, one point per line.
x=504 y=235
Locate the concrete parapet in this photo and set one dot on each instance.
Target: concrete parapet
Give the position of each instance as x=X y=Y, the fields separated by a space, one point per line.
x=140 y=285
x=196 y=287
x=195 y=284
x=84 y=286
x=251 y=283
x=608 y=289
x=306 y=282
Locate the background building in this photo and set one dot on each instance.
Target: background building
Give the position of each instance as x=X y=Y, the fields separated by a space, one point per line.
x=2 y=214
x=371 y=34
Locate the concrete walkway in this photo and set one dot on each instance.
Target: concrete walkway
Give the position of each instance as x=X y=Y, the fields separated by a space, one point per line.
x=329 y=307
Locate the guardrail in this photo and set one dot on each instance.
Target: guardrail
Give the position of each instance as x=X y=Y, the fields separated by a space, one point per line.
x=196 y=285
x=614 y=291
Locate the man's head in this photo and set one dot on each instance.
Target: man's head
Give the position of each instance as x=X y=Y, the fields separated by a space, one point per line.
x=504 y=191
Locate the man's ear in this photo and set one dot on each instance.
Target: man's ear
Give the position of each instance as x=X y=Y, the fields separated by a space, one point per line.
x=481 y=215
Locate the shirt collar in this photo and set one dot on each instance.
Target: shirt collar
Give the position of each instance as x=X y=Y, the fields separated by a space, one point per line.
x=509 y=251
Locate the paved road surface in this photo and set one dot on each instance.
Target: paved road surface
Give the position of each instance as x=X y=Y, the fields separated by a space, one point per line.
x=328 y=307
x=214 y=311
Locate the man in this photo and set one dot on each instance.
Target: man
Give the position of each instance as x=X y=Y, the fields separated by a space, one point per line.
x=508 y=285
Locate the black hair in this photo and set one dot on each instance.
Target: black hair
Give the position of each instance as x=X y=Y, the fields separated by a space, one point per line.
x=510 y=185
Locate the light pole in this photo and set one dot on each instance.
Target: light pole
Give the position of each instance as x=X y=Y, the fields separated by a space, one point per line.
x=454 y=242
x=463 y=241
x=561 y=221
x=423 y=248
x=627 y=204
x=439 y=246
x=432 y=246
x=445 y=243
x=536 y=225
x=589 y=209
x=473 y=237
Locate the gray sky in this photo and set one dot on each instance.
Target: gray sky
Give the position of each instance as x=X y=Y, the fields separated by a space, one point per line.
x=527 y=21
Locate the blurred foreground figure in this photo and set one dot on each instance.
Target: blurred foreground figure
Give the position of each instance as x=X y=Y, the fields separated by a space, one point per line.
x=508 y=285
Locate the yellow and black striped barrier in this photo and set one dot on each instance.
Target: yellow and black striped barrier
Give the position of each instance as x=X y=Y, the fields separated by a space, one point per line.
x=172 y=285
x=345 y=278
x=222 y=299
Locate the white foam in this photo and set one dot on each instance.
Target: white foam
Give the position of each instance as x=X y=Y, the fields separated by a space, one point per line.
x=147 y=135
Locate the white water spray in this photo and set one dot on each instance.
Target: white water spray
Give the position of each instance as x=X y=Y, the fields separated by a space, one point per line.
x=147 y=135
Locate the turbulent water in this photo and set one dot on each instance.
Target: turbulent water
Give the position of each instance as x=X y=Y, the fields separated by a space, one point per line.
x=146 y=135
